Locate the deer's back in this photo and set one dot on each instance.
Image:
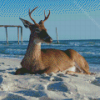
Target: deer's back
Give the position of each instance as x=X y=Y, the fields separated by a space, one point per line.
x=64 y=59
x=54 y=58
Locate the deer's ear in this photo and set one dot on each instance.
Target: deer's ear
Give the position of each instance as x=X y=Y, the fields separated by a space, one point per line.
x=26 y=23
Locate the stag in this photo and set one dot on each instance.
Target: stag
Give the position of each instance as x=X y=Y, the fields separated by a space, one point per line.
x=48 y=60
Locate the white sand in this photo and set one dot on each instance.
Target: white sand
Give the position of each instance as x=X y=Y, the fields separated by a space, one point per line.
x=57 y=86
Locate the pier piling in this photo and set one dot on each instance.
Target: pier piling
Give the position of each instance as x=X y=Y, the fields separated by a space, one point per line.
x=6 y=35
x=18 y=34
x=57 y=35
x=6 y=26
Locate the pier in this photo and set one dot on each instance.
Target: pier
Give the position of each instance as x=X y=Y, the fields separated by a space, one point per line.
x=21 y=31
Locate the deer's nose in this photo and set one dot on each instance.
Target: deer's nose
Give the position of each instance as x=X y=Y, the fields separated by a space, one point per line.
x=48 y=39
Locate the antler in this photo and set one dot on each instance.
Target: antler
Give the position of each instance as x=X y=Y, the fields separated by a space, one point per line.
x=46 y=17
x=31 y=13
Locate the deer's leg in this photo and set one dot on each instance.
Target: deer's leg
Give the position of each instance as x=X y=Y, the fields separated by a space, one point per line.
x=21 y=71
x=47 y=71
x=71 y=72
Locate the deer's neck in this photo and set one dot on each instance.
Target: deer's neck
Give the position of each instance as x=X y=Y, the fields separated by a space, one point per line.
x=34 y=49
x=32 y=58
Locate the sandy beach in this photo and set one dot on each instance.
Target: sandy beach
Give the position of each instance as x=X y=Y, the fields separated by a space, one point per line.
x=57 y=86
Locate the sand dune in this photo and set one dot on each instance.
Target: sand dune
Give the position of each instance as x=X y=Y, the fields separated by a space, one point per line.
x=57 y=86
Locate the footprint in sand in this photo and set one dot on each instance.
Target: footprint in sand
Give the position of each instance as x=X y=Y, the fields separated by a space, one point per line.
x=2 y=70
x=1 y=79
x=45 y=77
x=61 y=75
x=57 y=79
x=13 y=97
x=45 y=98
x=38 y=87
x=94 y=99
x=52 y=78
x=60 y=86
x=2 y=63
x=96 y=81
x=32 y=93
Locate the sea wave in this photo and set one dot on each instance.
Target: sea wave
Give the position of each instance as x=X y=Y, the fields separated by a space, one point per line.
x=15 y=51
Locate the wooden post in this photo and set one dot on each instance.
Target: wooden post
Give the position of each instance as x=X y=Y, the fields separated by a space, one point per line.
x=57 y=35
x=18 y=34
x=6 y=35
x=21 y=35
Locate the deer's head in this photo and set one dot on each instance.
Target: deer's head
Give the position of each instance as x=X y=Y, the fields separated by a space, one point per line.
x=38 y=30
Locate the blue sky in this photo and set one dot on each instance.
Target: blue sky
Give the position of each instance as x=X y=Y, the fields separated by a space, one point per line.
x=74 y=19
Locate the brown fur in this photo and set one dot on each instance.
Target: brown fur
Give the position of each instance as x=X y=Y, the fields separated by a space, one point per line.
x=52 y=60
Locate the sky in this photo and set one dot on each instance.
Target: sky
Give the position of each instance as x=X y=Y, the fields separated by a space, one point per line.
x=74 y=19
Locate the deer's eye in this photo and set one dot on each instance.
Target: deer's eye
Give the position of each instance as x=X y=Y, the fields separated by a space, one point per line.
x=37 y=30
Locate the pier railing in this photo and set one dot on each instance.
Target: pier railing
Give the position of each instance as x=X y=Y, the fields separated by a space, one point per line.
x=6 y=26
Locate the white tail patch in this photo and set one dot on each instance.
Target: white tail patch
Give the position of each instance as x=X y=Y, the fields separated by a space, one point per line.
x=73 y=69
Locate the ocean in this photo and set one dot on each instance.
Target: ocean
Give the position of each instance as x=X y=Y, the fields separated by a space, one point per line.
x=89 y=49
